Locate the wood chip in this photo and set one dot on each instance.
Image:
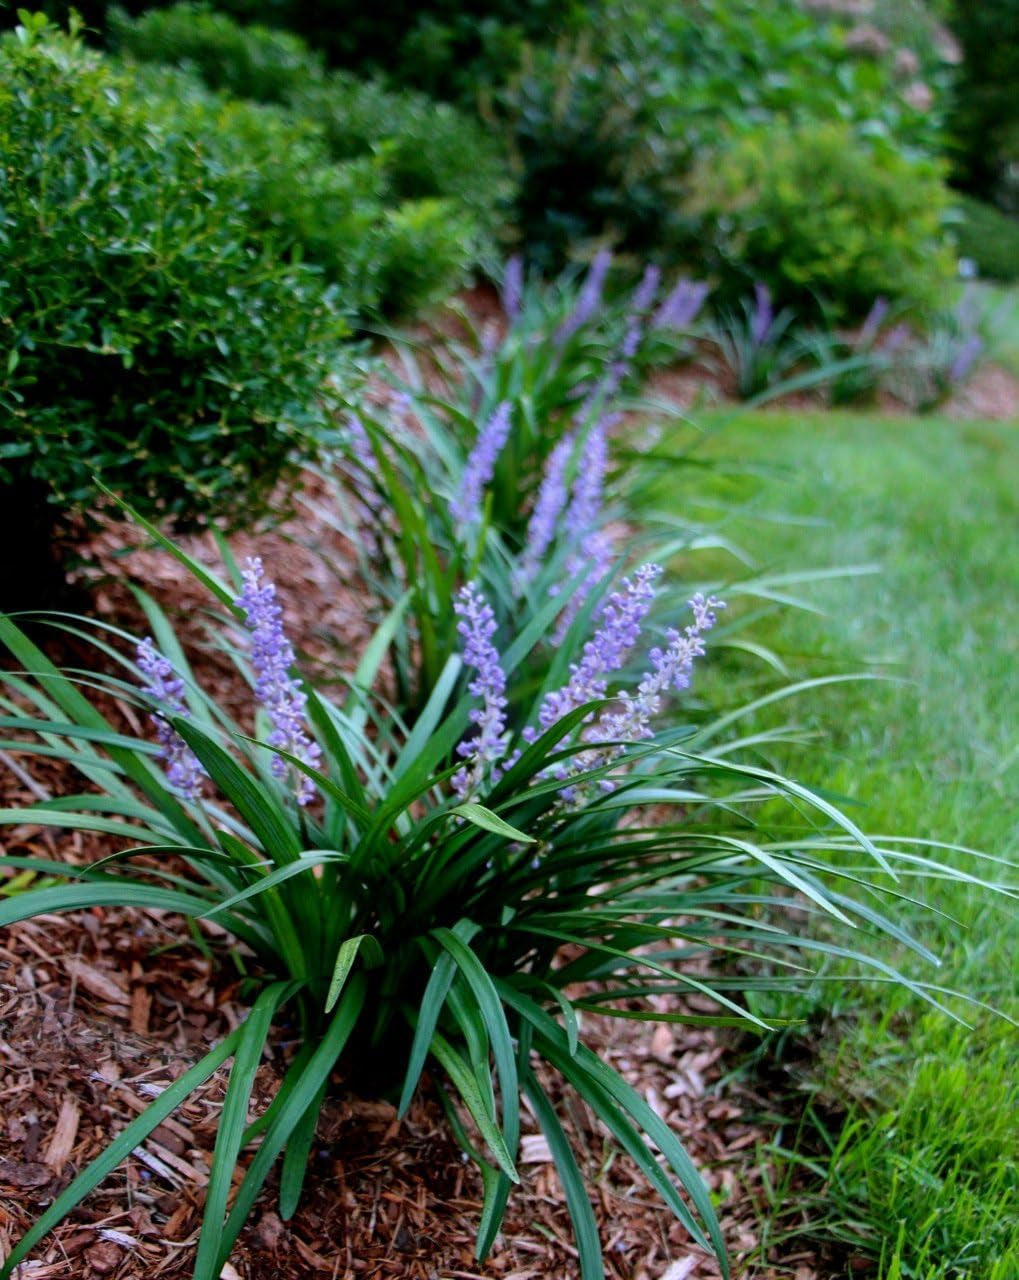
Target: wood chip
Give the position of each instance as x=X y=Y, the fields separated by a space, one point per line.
x=680 y=1269
x=141 y=1005
x=61 y=1143
x=96 y=982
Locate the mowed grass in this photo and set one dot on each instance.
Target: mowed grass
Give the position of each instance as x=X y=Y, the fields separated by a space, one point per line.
x=924 y=1176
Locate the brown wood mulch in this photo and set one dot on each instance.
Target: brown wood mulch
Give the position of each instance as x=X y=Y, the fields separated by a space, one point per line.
x=101 y=1010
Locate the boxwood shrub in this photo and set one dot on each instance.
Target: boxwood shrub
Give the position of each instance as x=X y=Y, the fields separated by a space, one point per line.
x=152 y=335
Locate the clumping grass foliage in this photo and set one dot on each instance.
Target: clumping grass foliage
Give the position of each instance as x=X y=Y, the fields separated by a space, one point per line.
x=407 y=892
x=449 y=876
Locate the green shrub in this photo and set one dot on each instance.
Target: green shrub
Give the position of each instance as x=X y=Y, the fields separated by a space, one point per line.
x=404 y=147
x=605 y=127
x=985 y=121
x=151 y=338
x=251 y=62
x=988 y=238
x=586 y=159
x=425 y=149
x=816 y=212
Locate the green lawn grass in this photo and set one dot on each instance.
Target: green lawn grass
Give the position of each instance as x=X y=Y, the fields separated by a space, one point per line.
x=924 y=1177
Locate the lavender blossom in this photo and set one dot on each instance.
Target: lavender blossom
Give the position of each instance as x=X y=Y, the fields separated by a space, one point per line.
x=361 y=446
x=279 y=693
x=588 y=300
x=965 y=358
x=487 y=745
x=592 y=554
x=646 y=291
x=586 y=498
x=607 y=649
x=183 y=768
x=480 y=466
x=681 y=306
x=513 y=288
x=872 y=324
x=763 y=315
x=548 y=506
x=594 y=560
x=671 y=666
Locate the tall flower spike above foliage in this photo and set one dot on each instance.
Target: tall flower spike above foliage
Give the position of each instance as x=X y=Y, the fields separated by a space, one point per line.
x=681 y=306
x=763 y=315
x=548 y=507
x=166 y=688
x=588 y=300
x=607 y=649
x=671 y=666
x=487 y=745
x=480 y=466
x=592 y=546
x=513 y=288
x=280 y=694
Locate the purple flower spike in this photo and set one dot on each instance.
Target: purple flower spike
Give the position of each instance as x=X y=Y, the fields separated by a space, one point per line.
x=967 y=356
x=646 y=291
x=487 y=745
x=682 y=306
x=593 y=559
x=871 y=327
x=183 y=769
x=763 y=314
x=607 y=649
x=279 y=693
x=513 y=288
x=548 y=507
x=586 y=499
x=588 y=300
x=671 y=666
x=480 y=466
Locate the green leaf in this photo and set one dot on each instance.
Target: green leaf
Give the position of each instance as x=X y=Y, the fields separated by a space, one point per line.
x=585 y=1225
x=216 y=586
x=466 y=1086
x=300 y=1097
x=232 y=1123
x=345 y=958
x=266 y=817
x=489 y=821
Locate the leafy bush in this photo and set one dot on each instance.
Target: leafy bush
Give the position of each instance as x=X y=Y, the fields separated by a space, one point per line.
x=150 y=337
x=426 y=149
x=817 y=212
x=406 y=148
x=248 y=61
x=989 y=239
x=986 y=116
x=606 y=125
x=410 y=895
x=587 y=161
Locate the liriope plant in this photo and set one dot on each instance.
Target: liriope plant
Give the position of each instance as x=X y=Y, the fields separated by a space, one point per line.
x=455 y=893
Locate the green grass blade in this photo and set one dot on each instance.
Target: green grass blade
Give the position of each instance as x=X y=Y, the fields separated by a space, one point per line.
x=345 y=958
x=232 y=1123
x=585 y=1226
x=305 y=1089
